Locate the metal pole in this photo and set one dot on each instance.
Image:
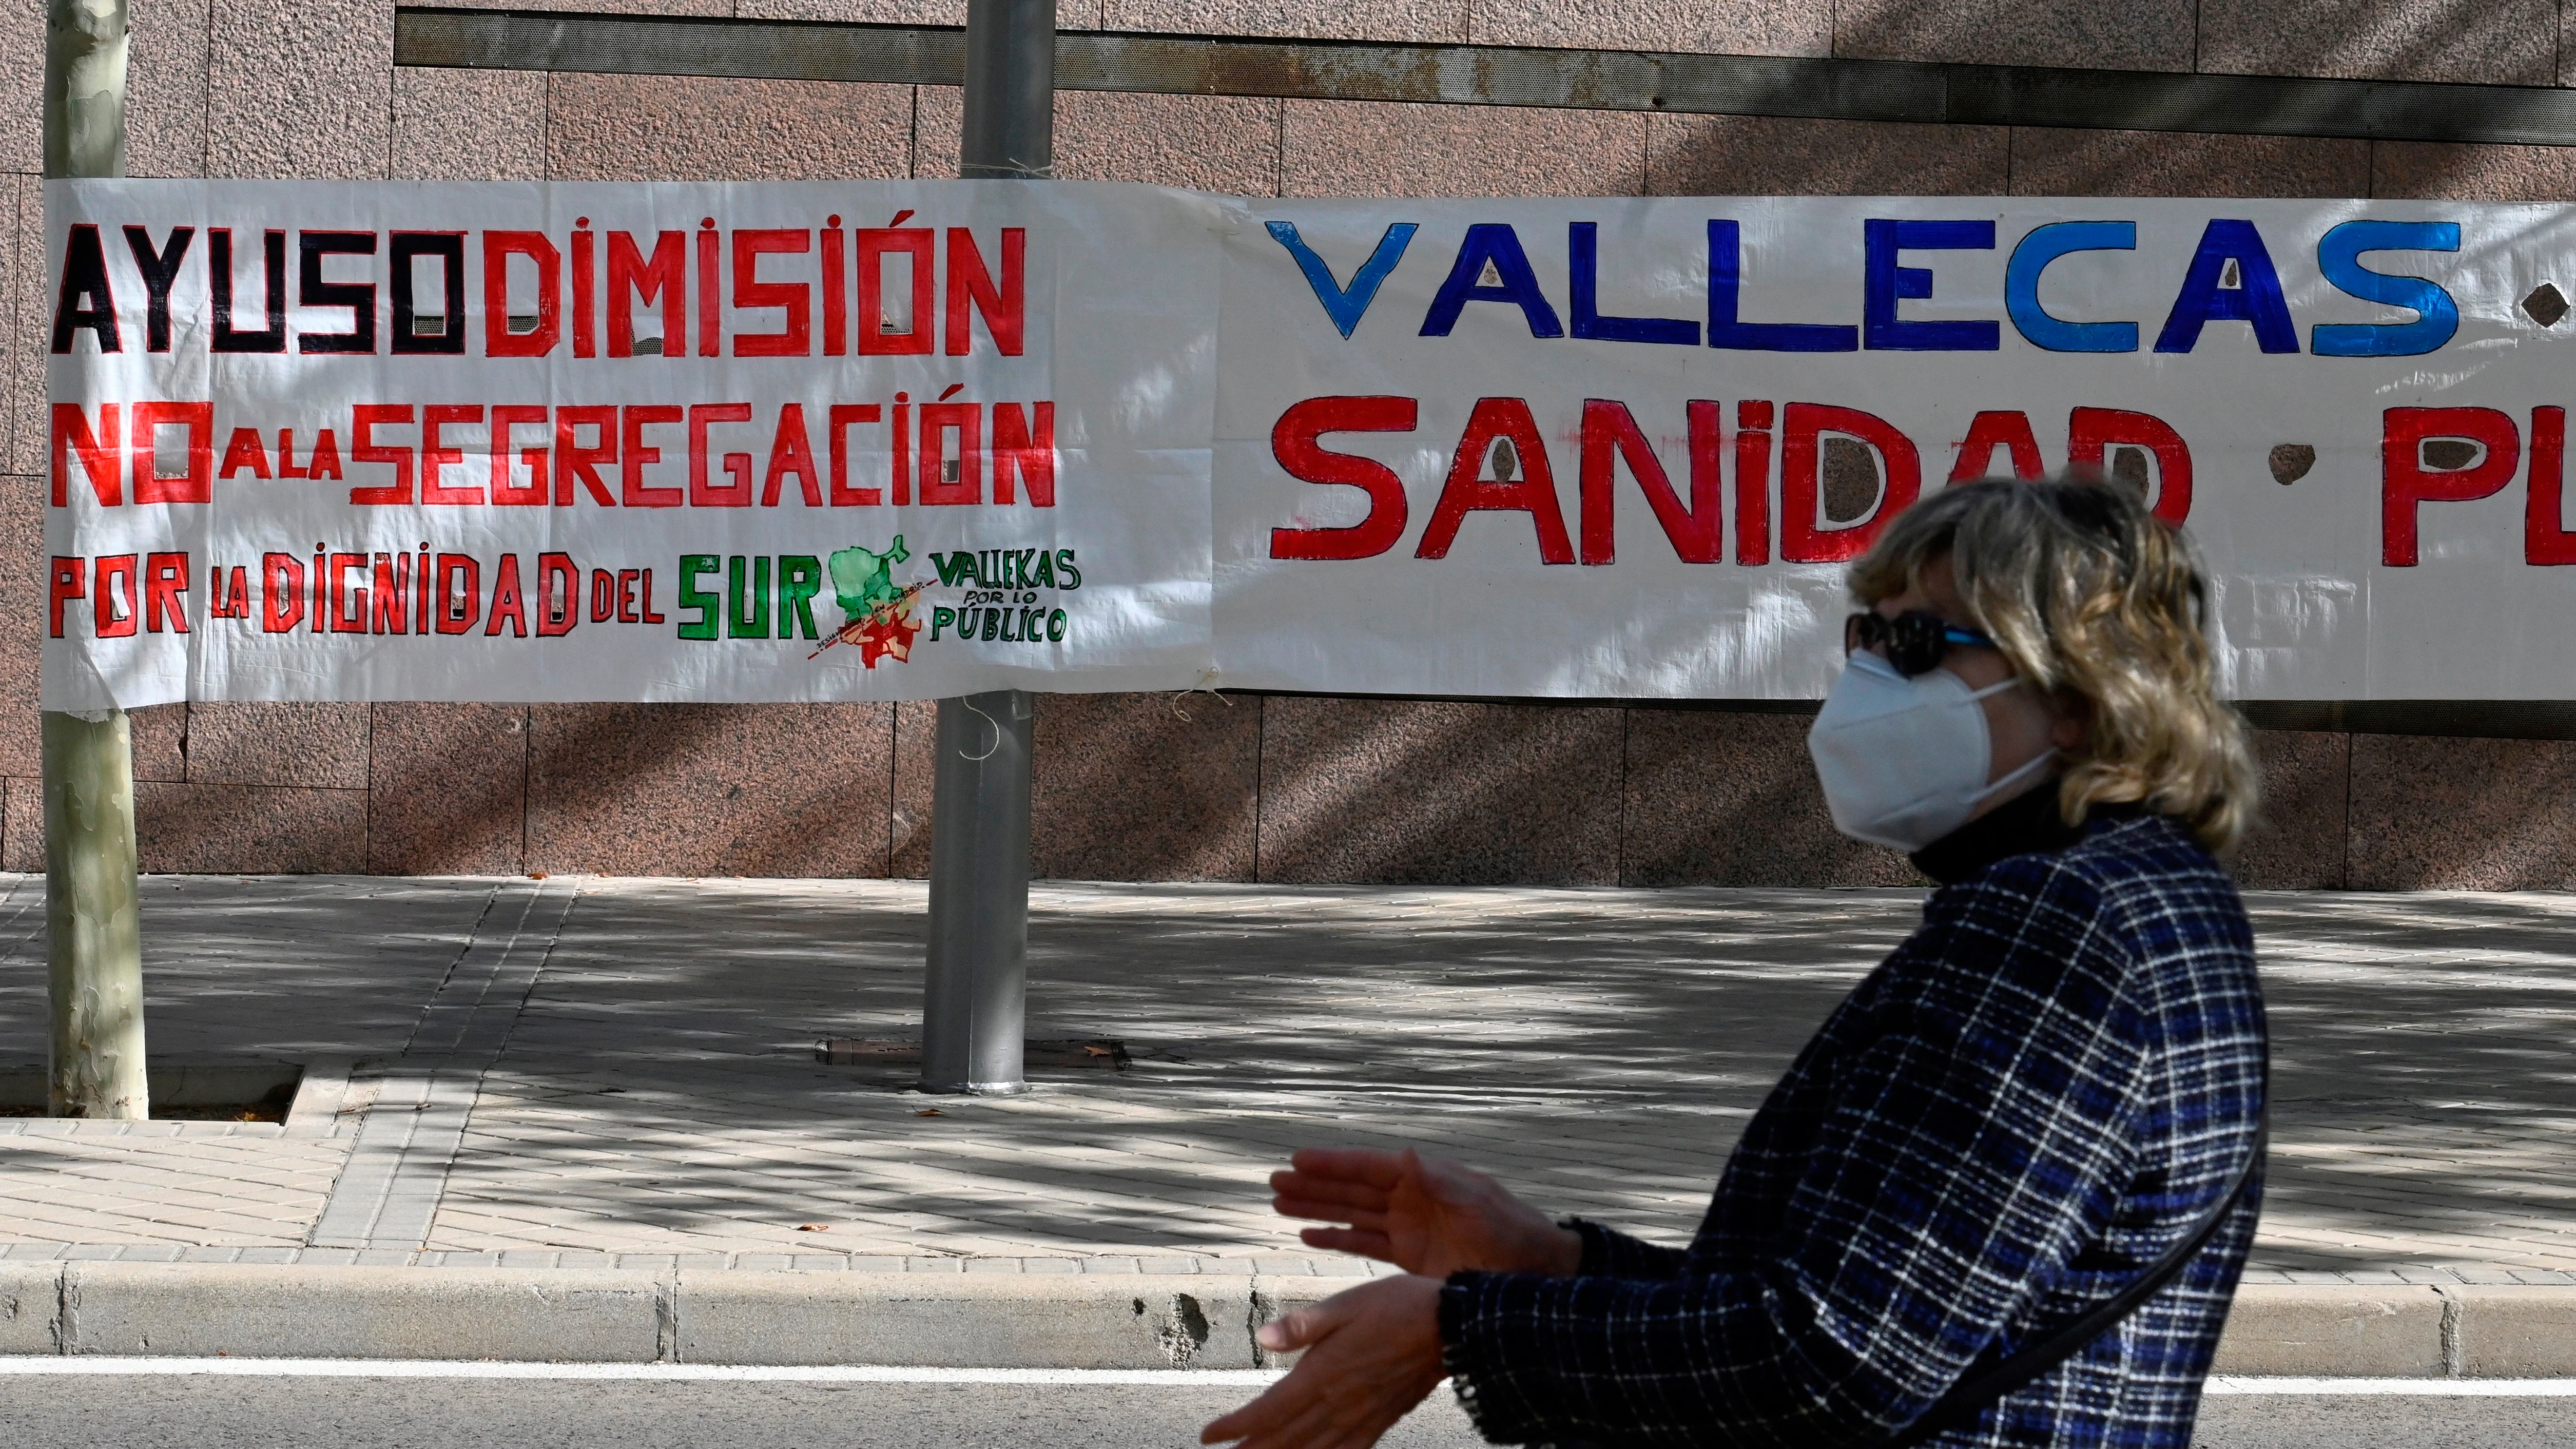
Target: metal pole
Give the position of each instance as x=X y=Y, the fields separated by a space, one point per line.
x=94 y=962
x=974 y=996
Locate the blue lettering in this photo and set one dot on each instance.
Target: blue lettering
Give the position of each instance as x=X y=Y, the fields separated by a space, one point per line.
x=2021 y=286
x=1725 y=283
x=2339 y=258
x=1346 y=305
x=2257 y=298
x=1889 y=283
x=1583 y=243
x=1515 y=283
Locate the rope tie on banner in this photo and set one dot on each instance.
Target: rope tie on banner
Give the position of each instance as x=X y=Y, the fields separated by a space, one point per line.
x=1206 y=685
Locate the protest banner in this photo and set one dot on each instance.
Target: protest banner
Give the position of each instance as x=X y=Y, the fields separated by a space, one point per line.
x=911 y=439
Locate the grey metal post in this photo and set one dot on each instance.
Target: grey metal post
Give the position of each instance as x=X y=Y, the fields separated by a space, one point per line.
x=94 y=965
x=974 y=996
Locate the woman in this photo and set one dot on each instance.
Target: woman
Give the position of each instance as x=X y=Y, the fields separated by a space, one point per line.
x=2053 y=1083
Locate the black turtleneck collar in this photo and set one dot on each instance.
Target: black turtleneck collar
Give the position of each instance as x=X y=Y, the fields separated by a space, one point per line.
x=2026 y=824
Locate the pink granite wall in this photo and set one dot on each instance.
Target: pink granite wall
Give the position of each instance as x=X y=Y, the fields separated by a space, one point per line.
x=1154 y=787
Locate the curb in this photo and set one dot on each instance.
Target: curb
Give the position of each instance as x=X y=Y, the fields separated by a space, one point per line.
x=1040 y=1321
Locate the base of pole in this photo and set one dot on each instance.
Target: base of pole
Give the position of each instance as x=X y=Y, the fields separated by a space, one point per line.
x=975 y=1089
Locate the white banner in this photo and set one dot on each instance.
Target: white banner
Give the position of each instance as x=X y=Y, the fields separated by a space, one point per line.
x=904 y=440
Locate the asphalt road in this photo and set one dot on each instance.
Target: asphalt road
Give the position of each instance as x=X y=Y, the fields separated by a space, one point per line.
x=64 y=1412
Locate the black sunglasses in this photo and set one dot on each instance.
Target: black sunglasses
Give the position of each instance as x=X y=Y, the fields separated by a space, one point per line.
x=1915 y=640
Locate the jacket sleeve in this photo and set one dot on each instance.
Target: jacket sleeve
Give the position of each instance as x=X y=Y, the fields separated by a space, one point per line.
x=1974 y=1136
x=1610 y=1253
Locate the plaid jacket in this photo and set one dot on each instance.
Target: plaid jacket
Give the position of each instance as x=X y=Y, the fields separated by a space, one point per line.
x=2025 y=1104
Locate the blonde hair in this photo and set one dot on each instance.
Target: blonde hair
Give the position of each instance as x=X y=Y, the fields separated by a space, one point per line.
x=2099 y=604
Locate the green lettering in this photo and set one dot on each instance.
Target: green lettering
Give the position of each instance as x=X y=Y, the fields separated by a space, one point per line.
x=693 y=597
x=1065 y=570
x=1044 y=578
x=954 y=568
x=800 y=578
x=747 y=608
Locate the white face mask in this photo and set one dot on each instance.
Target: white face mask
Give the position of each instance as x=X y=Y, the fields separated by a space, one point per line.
x=1904 y=761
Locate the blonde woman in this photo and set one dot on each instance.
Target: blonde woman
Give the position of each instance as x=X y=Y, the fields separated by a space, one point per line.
x=2003 y=1197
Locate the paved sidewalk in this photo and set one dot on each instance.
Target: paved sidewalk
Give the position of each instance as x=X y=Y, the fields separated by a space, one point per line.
x=605 y=1072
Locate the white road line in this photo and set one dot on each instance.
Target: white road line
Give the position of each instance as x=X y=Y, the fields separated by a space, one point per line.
x=2431 y=1388
x=344 y=1368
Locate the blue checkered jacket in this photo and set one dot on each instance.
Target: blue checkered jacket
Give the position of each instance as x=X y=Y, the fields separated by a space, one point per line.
x=2037 y=1094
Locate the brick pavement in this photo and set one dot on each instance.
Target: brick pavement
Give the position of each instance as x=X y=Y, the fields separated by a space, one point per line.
x=626 y=1075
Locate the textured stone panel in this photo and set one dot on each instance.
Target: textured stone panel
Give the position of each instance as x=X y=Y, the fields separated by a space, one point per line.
x=165 y=88
x=2100 y=34
x=2050 y=162
x=1069 y=14
x=1717 y=797
x=22 y=372
x=768 y=790
x=916 y=764
x=22 y=827
x=249 y=829
x=1421 y=20
x=469 y=125
x=160 y=742
x=2472 y=173
x=1377 y=148
x=690 y=128
x=2433 y=813
x=2298 y=840
x=23 y=620
x=301 y=91
x=1770 y=156
x=1407 y=791
x=22 y=85
x=614 y=7
x=1724 y=27
x=1144 y=787
x=2496 y=42
x=448 y=789
x=1211 y=143
x=278 y=744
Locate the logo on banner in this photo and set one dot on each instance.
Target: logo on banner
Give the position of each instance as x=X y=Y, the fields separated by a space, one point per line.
x=876 y=612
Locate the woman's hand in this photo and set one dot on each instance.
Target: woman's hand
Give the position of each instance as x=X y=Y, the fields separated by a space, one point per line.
x=1372 y=1353
x=1422 y=1214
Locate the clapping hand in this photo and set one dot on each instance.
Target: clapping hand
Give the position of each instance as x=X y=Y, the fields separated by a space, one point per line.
x=1373 y=1352
x=1423 y=1214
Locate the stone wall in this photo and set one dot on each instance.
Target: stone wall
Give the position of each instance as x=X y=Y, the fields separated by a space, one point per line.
x=1153 y=787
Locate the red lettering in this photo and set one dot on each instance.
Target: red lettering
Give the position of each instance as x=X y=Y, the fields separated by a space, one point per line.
x=2405 y=483
x=506 y=603
x=2545 y=539
x=392 y=593
x=1610 y=435
x=575 y=463
x=1803 y=536
x=460 y=592
x=2090 y=432
x=937 y=421
x=99 y=453
x=281 y=592
x=791 y=453
x=702 y=491
x=638 y=457
x=1522 y=481
x=197 y=484
x=112 y=600
x=71 y=581
x=1296 y=443
x=348 y=604
x=633 y=279
x=505 y=487
x=434 y=457
x=364 y=449
x=796 y=299
x=710 y=292
x=501 y=334
x=1027 y=453
x=244 y=450
x=1753 y=482
x=875 y=244
x=165 y=578
x=838 y=422
x=971 y=289
x=558 y=595
x=1989 y=431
